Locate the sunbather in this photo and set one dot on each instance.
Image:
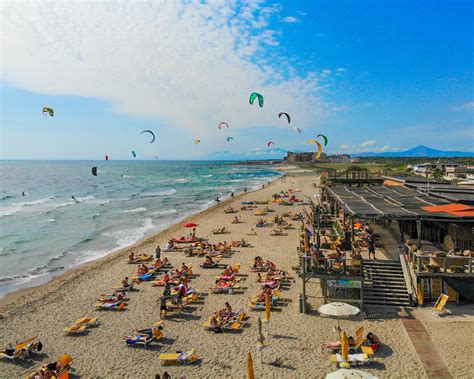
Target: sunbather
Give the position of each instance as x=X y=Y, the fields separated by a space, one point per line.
x=336 y=344
x=373 y=341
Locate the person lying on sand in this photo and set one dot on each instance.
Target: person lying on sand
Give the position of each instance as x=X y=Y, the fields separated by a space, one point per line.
x=336 y=344
x=131 y=257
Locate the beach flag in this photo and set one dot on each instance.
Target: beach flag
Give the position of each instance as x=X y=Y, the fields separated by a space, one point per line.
x=344 y=347
x=250 y=374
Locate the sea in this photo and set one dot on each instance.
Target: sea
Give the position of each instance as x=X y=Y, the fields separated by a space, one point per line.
x=44 y=230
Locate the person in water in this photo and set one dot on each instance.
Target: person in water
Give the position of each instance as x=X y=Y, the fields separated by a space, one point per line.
x=218 y=200
x=23 y=193
x=72 y=197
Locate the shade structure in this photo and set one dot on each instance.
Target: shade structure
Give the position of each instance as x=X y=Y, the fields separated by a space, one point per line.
x=65 y=360
x=349 y=374
x=338 y=309
x=190 y=225
x=250 y=374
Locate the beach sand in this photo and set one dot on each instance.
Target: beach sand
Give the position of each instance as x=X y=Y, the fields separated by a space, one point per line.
x=294 y=338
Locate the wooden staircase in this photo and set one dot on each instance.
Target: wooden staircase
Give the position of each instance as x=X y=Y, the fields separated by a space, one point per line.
x=384 y=284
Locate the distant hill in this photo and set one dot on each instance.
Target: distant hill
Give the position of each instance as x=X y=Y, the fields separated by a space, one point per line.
x=418 y=151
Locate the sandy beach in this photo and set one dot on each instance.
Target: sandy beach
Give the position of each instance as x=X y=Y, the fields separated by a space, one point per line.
x=294 y=338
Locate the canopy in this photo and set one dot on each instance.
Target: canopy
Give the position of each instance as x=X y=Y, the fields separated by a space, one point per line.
x=250 y=374
x=190 y=225
x=338 y=309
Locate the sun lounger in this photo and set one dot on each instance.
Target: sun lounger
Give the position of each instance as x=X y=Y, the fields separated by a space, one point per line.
x=88 y=321
x=440 y=306
x=75 y=329
x=227 y=289
x=184 y=358
x=12 y=354
x=353 y=360
x=144 y=337
x=117 y=306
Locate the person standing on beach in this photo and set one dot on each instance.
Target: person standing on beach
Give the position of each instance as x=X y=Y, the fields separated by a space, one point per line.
x=245 y=189
x=158 y=252
x=163 y=308
x=231 y=194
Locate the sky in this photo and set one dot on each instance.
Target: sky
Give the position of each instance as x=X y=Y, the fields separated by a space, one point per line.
x=370 y=75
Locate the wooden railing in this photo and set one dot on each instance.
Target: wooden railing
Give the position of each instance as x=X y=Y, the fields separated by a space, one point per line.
x=430 y=263
x=331 y=266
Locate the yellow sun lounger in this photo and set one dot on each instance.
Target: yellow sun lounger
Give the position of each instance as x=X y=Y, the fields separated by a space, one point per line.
x=75 y=329
x=184 y=358
x=88 y=321
x=439 y=307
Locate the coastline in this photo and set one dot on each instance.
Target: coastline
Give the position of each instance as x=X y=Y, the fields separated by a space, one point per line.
x=32 y=293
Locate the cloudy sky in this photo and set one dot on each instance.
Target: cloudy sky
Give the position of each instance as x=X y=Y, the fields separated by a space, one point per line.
x=372 y=76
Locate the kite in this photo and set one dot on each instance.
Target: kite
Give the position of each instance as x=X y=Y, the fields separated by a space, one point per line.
x=230 y=139
x=270 y=143
x=222 y=124
x=134 y=154
x=197 y=141
x=48 y=110
x=152 y=134
x=106 y=157
x=325 y=139
x=286 y=114
x=94 y=171
x=255 y=95
x=297 y=130
x=320 y=148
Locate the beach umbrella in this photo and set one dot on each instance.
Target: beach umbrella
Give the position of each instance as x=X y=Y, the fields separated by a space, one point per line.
x=190 y=225
x=65 y=360
x=344 y=346
x=259 y=326
x=338 y=309
x=344 y=373
x=250 y=374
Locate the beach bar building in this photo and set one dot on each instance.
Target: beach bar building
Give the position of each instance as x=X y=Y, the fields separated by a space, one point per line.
x=434 y=253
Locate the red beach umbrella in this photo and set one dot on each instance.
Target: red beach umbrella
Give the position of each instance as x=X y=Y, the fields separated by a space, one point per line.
x=190 y=225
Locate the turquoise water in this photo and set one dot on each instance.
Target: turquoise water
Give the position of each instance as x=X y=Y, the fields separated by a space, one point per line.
x=46 y=231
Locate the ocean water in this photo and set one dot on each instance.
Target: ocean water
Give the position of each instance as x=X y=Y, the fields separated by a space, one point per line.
x=46 y=231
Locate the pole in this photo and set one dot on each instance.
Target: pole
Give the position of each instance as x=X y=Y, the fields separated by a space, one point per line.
x=418 y=230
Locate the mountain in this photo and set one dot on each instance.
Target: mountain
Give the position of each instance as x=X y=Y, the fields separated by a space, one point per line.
x=419 y=151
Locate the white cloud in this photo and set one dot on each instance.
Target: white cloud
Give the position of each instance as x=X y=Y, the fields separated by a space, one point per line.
x=366 y=146
x=466 y=106
x=289 y=20
x=341 y=70
x=368 y=143
x=190 y=65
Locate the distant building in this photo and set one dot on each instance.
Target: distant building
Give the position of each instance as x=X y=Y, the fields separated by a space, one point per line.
x=299 y=157
x=447 y=168
x=342 y=158
x=452 y=173
x=355 y=160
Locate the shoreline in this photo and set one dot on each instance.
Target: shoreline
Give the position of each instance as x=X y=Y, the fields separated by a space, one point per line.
x=31 y=293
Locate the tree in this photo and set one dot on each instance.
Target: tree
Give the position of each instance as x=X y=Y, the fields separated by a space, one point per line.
x=437 y=174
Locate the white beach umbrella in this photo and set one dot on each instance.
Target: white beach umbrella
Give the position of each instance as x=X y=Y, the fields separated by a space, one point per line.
x=338 y=309
x=349 y=374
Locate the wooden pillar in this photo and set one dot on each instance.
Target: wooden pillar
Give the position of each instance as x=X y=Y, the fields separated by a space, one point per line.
x=418 y=231
x=352 y=229
x=304 y=294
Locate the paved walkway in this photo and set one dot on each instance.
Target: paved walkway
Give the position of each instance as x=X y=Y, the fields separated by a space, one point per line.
x=426 y=350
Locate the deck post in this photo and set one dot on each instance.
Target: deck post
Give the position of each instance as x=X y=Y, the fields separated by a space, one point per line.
x=418 y=231
x=352 y=229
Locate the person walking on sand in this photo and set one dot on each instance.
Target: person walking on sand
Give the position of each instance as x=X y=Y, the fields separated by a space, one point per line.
x=371 y=242
x=163 y=308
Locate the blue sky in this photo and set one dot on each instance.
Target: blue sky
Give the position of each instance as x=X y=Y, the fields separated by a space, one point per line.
x=371 y=75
